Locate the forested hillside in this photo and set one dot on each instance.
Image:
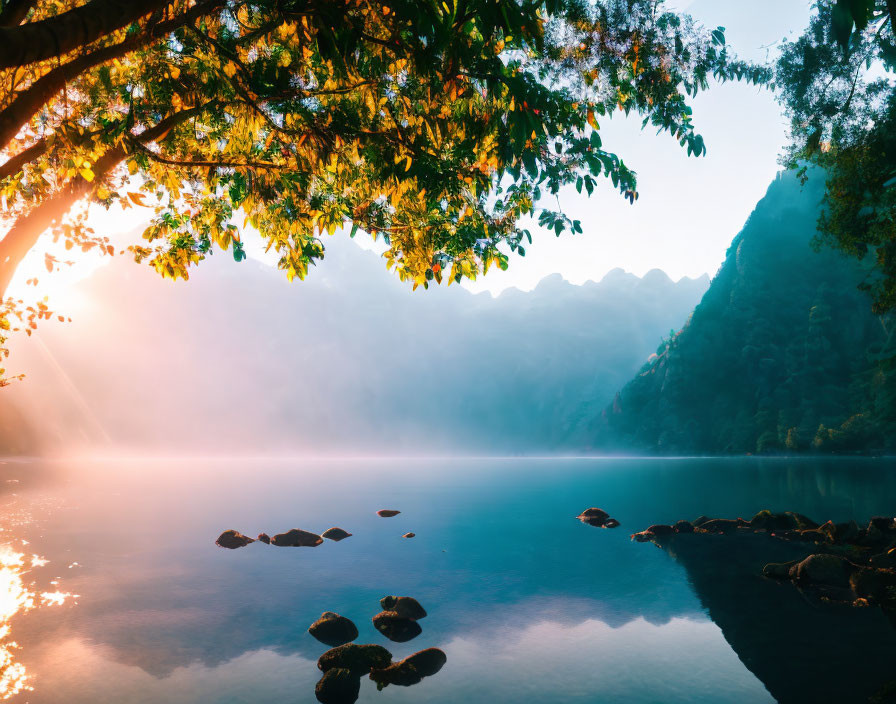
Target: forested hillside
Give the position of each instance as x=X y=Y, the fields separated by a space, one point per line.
x=348 y=361
x=782 y=354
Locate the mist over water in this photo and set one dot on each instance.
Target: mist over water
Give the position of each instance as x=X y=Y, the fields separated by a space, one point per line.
x=347 y=362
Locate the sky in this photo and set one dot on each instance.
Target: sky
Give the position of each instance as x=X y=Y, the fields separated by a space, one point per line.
x=688 y=211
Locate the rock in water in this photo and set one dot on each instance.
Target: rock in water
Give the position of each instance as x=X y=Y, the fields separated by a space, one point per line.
x=336 y=534
x=409 y=535
x=598 y=518
x=232 y=540
x=683 y=527
x=404 y=606
x=332 y=629
x=660 y=529
x=596 y=513
x=296 y=538
x=387 y=513
x=338 y=686
x=264 y=538
x=357 y=658
x=396 y=628
x=411 y=670
x=823 y=570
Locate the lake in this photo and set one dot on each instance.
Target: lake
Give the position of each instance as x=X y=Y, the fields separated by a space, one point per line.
x=112 y=589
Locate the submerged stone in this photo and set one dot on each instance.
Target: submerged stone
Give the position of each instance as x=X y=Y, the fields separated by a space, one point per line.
x=332 y=629
x=404 y=606
x=823 y=570
x=660 y=529
x=597 y=513
x=719 y=525
x=789 y=520
x=411 y=670
x=338 y=686
x=598 y=518
x=336 y=534
x=357 y=658
x=683 y=527
x=296 y=538
x=232 y=540
x=778 y=570
x=387 y=513
x=396 y=627
x=409 y=535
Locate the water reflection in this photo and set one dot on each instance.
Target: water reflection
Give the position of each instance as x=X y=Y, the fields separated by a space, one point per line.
x=527 y=603
x=802 y=650
x=16 y=597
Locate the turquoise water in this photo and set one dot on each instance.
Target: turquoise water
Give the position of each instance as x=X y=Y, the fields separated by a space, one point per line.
x=528 y=604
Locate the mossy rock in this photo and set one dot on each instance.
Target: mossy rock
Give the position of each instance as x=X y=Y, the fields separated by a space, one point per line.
x=357 y=658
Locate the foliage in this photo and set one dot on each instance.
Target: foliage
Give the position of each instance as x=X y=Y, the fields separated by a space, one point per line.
x=434 y=125
x=837 y=87
x=782 y=354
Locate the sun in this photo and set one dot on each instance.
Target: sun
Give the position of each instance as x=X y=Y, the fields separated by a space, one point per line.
x=33 y=281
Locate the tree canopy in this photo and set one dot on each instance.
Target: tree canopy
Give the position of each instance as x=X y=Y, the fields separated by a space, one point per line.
x=837 y=85
x=434 y=125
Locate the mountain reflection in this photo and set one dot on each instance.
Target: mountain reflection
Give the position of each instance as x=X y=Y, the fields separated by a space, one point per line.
x=17 y=596
x=842 y=653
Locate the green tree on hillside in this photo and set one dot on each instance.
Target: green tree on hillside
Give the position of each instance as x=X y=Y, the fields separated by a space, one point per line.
x=837 y=85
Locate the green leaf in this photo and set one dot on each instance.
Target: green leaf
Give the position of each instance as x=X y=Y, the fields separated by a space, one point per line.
x=842 y=22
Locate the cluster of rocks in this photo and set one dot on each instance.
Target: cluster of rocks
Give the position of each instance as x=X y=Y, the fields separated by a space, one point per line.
x=295 y=538
x=398 y=619
x=847 y=563
x=346 y=663
x=598 y=518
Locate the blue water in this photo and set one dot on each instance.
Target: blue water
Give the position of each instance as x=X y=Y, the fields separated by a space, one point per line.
x=528 y=604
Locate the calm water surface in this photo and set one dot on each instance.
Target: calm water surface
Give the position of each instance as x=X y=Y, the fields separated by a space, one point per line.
x=135 y=603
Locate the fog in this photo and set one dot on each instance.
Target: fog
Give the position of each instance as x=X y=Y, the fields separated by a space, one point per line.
x=239 y=361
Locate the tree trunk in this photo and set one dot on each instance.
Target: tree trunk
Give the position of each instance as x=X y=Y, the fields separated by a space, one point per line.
x=37 y=41
x=27 y=103
x=25 y=232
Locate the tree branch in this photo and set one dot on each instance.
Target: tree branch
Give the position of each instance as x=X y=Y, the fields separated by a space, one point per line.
x=55 y=36
x=14 y=164
x=15 y=11
x=207 y=164
x=28 y=228
x=17 y=114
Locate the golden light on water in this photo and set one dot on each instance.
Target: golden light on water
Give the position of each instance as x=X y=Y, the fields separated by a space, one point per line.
x=16 y=596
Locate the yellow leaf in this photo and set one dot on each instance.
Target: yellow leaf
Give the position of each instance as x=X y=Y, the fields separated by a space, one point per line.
x=592 y=120
x=137 y=199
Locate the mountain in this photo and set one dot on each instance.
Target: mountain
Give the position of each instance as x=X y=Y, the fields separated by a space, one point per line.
x=348 y=361
x=782 y=354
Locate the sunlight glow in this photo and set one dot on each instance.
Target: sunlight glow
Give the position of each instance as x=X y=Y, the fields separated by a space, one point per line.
x=16 y=597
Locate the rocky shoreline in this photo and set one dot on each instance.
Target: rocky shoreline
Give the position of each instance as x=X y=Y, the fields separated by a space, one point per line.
x=847 y=563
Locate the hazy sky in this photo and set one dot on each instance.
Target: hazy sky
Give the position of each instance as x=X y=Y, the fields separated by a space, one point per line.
x=689 y=209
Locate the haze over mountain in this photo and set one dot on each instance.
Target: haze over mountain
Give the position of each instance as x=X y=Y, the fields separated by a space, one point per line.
x=783 y=352
x=348 y=361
